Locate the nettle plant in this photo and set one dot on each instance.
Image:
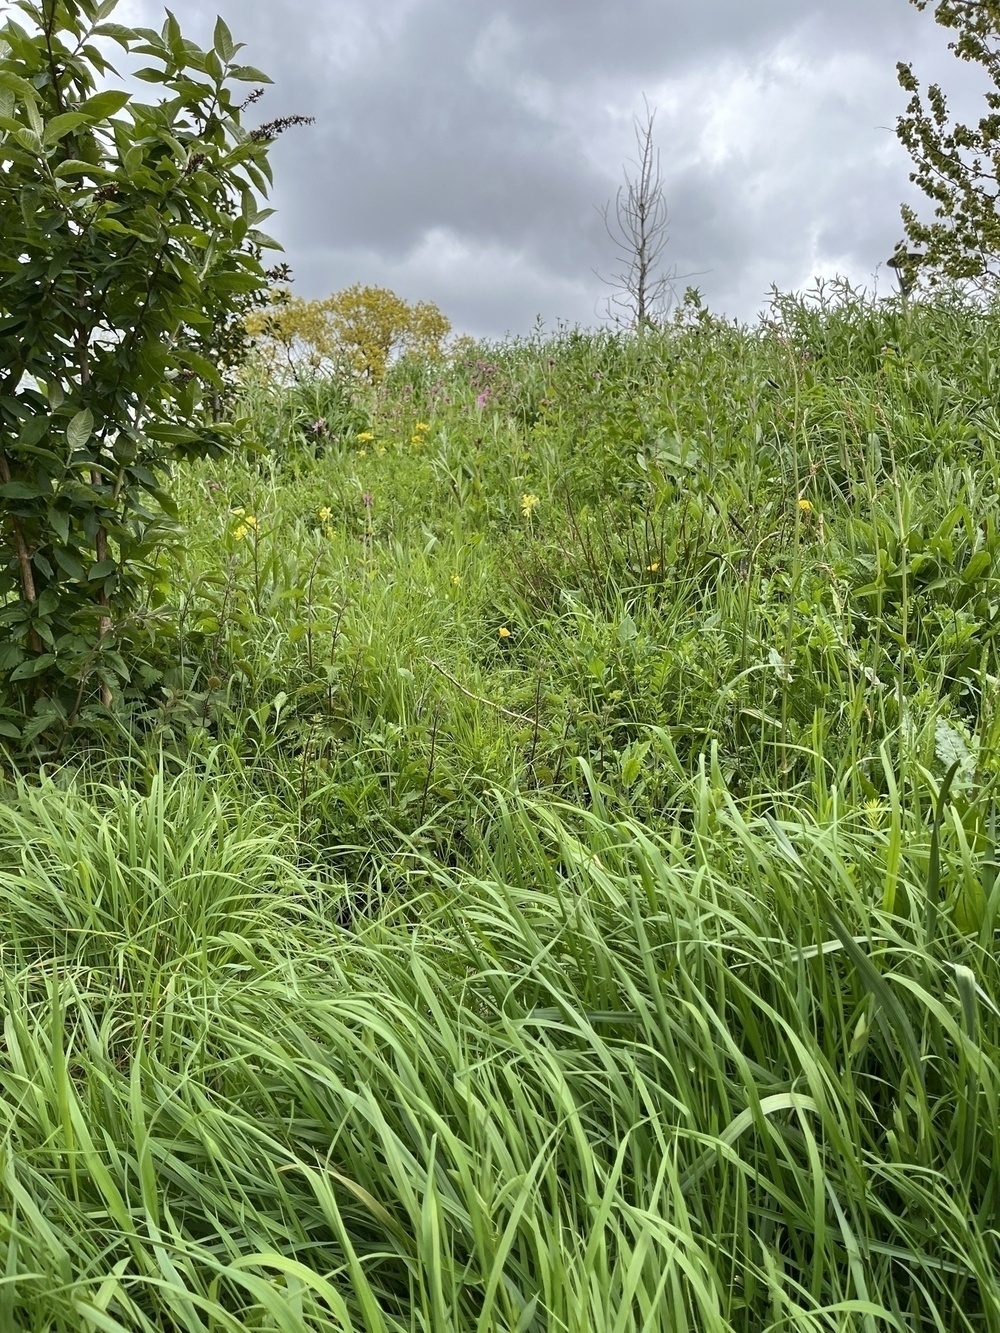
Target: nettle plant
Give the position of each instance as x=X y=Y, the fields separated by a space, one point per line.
x=129 y=254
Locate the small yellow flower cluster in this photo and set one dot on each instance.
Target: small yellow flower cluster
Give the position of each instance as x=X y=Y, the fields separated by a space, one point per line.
x=456 y=579
x=654 y=567
x=246 y=525
x=419 y=435
x=528 y=503
x=325 y=514
x=806 y=506
x=503 y=632
x=365 y=437
x=874 y=810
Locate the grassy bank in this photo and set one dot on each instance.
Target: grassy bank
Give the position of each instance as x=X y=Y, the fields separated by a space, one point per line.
x=549 y=881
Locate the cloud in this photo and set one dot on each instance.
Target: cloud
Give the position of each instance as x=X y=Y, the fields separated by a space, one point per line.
x=463 y=149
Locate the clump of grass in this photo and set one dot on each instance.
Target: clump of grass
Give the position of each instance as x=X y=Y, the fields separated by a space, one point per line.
x=600 y=1082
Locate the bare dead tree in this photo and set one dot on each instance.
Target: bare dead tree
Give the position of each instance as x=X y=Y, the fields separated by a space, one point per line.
x=637 y=226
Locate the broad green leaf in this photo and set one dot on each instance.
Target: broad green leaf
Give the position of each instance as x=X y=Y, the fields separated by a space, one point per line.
x=196 y=362
x=103 y=105
x=22 y=89
x=111 y=226
x=21 y=490
x=69 y=564
x=60 y=524
x=75 y=166
x=117 y=32
x=33 y=430
x=59 y=126
x=222 y=40
x=33 y=666
x=30 y=140
x=248 y=74
x=80 y=429
x=34 y=118
x=977 y=566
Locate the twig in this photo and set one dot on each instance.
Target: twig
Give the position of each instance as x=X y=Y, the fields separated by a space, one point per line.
x=515 y=717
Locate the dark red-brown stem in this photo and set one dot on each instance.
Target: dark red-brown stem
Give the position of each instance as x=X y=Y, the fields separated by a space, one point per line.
x=23 y=559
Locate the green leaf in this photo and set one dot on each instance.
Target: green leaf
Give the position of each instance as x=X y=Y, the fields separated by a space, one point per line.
x=201 y=366
x=30 y=140
x=20 y=490
x=60 y=525
x=80 y=429
x=110 y=226
x=977 y=566
x=69 y=564
x=11 y=655
x=21 y=88
x=34 y=666
x=248 y=74
x=75 y=166
x=166 y=502
x=59 y=126
x=116 y=31
x=222 y=40
x=103 y=105
x=33 y=430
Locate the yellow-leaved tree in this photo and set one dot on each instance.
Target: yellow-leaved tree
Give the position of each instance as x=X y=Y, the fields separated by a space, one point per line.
x=362 y=327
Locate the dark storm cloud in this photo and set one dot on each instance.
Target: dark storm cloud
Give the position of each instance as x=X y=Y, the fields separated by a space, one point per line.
x=462 y=149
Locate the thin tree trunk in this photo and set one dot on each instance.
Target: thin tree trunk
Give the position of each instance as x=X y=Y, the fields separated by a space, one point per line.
x=101 y=540
x=23 y=559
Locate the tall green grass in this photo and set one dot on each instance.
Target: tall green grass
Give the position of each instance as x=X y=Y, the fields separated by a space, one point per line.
x=541 y=918
x=602 y=1079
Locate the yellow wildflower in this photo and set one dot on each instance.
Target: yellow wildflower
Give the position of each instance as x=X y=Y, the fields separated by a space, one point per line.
x=421 y=425
x=456 y=579
x=241 y=532
x=504 y=632
x=805 y=506
x=874 y=810
x=416 y=439
x=362 y=453
x=365 y=436
x=380 y=450
x=528 y=503
x=654 y=568
x=325 y=514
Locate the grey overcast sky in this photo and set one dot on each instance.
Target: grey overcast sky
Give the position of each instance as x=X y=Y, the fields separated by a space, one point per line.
x=462 y=148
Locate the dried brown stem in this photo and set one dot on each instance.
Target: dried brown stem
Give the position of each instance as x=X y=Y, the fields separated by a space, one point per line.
x=505 y=712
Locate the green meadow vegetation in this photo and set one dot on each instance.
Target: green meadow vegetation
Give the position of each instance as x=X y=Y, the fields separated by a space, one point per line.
x=546 y=880
x=494 y=838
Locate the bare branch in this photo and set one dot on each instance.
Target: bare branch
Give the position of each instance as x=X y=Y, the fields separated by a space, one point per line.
x=638 y=229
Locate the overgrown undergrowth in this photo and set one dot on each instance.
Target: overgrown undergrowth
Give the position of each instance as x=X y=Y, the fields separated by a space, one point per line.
x=544 y=878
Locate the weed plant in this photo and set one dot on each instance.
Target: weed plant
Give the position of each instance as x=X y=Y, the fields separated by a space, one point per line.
x=547 y=879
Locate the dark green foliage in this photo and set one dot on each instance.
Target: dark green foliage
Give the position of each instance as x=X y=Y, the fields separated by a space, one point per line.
x=129 y=245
